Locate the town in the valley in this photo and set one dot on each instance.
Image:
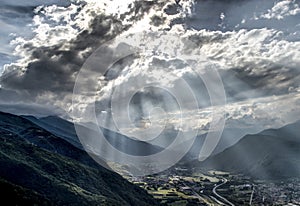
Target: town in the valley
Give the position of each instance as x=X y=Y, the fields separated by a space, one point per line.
x=182 y=186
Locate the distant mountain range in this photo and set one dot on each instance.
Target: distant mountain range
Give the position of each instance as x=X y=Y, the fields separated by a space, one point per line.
x=229 y=137
x=39 y=167
x=66 y=130
x=271 y=154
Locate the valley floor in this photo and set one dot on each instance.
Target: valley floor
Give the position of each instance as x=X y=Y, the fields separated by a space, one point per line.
x=180 y=186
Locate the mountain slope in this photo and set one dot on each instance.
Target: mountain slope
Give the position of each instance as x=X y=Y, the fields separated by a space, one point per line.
x=271 y=154
x=40 y=137
x=58 y=127
x=16 y=195
x=66 y=130
x=35 y=173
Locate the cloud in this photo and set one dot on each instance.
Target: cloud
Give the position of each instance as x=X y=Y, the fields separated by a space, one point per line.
x=249 y=115
x=64 y=38
x=252 y=63
x=255 y=49
x=13 y=19
x=282 y=9
x=257 y=59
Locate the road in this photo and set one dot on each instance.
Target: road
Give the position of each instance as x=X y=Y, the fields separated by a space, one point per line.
x=197 y=195
x=224 y=200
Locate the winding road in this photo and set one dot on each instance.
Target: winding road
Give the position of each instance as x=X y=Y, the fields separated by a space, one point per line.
x=224 y=200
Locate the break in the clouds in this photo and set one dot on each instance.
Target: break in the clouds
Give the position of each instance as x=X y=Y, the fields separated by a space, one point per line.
x=254 y=44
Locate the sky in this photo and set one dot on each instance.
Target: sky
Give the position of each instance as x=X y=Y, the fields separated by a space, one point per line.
x=253 y=45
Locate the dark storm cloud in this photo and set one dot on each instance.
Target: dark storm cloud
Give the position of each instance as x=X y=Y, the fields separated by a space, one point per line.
x=242 y=83
x=53 y=68
x=273 y=80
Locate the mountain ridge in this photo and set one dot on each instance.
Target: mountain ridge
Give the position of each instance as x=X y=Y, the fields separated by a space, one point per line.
x=64 y=175
x=270 y=154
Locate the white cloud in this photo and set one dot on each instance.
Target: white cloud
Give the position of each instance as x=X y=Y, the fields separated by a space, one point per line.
x=282 y=9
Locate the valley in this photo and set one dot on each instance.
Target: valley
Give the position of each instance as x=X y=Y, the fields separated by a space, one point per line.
x=181 y=186
x=38 y=162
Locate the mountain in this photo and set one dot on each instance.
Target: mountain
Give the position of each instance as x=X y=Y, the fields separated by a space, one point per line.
x=270 y=154
x=57 y=126
x=16 y=195
x=40 y=168
x=66 y=130
x=229 y=137
x=42 y=138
